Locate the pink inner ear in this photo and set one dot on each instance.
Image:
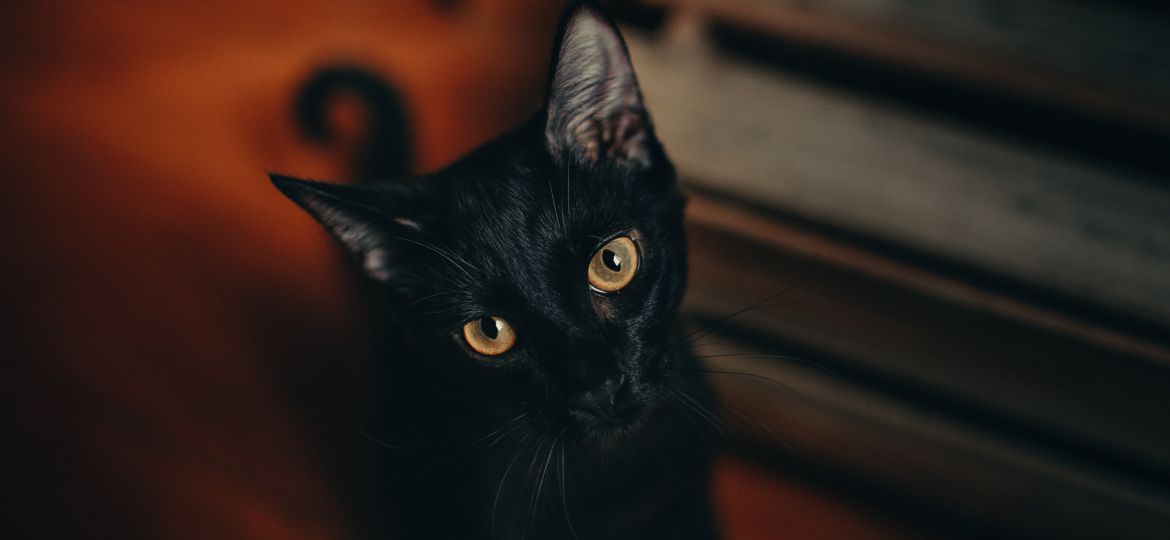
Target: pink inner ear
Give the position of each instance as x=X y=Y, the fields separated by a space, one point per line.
x=625 y=137
x=595 y=108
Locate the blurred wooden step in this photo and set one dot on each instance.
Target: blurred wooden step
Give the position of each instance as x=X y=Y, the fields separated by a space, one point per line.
x=989 y=413
x=1058 y=222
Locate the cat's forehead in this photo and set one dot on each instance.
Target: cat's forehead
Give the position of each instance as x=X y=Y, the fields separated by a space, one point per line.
x=519 y=194
x=512 y=206
x=526 y=225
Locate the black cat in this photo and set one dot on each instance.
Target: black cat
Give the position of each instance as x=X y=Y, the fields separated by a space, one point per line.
x=537 y=382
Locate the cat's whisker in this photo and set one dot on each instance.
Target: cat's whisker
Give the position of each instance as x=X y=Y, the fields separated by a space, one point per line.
x=739 y=413
x=707 y=415
x=565 y=499
x=799 y=360
x=532 y=463
x=379 y=442
x=504 y=434
x=442 y=310
x=744 y=374
x=557 y=212
x=504 y=478
x=714 y=344
x=543 y=474
x=727 y=321
x=428 y=297
x=693 y=339
x=568 y=194
x=755 y=306
x=686 y=413
x=507 y=427
x=440 y=253
x=452 y=253
x=552 y=197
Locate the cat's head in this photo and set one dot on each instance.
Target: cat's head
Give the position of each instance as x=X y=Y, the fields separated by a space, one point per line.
x=546 y=267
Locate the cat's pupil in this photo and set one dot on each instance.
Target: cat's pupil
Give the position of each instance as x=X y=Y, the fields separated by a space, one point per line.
x=612 y=260
x=489 y=327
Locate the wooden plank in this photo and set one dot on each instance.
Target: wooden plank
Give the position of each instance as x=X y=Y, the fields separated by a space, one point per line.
x=1071 y=226
x=705 y=212
x=1106 y=61
x=1044 y=374
x=1108 y=42
x=984 y=484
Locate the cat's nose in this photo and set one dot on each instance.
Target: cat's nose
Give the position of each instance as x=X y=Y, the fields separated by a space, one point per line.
x=603 y=401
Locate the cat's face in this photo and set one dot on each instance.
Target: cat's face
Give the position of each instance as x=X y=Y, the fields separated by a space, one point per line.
x=544 y=269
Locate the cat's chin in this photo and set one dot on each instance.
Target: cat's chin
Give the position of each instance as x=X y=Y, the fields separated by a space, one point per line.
x=606 y=438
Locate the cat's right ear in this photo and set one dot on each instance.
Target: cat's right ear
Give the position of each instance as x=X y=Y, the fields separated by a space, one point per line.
x=355 y=215
x=593 y=107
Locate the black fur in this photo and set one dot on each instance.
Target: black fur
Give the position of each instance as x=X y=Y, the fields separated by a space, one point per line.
x=512 y=446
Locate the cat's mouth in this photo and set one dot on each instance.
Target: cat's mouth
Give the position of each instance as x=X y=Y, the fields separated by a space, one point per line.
x=609 y=426
x=622 y=413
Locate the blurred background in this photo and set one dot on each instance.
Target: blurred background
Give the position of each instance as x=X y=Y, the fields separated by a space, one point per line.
x=956 y=211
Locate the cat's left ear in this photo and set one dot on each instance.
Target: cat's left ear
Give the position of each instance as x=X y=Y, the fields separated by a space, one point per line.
x=594 y=109
x=357 y=216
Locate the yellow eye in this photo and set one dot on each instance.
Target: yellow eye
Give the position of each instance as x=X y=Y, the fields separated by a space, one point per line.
x=489 y=336
x=614 y=265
